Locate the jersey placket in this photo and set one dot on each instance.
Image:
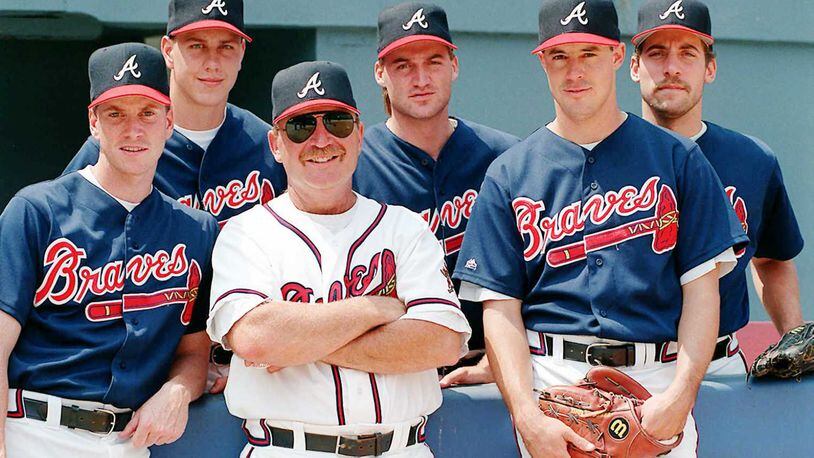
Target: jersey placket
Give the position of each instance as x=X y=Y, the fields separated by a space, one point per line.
x=595 y=261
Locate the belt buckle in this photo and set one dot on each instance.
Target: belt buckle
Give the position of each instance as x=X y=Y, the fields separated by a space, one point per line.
x=112 y=422
x=588 y=355
x=596 y=362
x=360 y=441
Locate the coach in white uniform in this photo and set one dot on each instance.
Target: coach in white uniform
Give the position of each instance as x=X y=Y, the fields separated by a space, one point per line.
x=338 y=308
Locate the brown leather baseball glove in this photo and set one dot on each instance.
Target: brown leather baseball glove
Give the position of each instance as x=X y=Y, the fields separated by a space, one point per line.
x=605 y=408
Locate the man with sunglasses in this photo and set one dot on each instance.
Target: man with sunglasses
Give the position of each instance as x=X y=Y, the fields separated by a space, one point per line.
x=421 y=158
x=672 y=62
x=104 y=287
x=585 y=244
x=217 y=159
x=338 y=308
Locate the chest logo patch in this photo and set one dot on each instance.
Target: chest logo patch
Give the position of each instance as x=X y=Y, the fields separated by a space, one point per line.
x=453 y=214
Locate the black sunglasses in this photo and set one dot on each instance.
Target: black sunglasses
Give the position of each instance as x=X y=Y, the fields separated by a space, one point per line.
x=339 y=123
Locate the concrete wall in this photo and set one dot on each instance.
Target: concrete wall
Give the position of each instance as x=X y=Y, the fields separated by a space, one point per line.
x=766 y=59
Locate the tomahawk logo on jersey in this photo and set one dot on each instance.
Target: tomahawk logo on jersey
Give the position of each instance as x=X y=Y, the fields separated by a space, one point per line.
x=751 y=174
x=384 y=250
x=74 y=258
x=625 y=214
x=236 y=172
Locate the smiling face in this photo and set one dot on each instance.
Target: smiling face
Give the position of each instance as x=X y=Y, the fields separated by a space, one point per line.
x=418 y=78
x=131 y=132
x=582 y=77
x=204 y=65
x=671 y=68
x=323 y=164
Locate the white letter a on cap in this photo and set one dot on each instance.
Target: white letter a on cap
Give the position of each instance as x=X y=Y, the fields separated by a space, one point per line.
x=418 y=18
x=579 y=13
x=313 y=83
x=130 y=66
x=676 y=9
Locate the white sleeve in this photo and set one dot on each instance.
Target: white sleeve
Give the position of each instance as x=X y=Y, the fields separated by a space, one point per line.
x=424 y=285
x=240 y=279
x=727 y=261
x=477 y=293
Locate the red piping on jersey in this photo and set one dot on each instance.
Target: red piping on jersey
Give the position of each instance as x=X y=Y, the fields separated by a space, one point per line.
x=340 y=408
x=453 y=244
x=265 y=441
x=377 y=405
x=299 y=234
x=542 y=351
x=431 y=300
x=20 y=412
x=241 y=291
x=361 y=240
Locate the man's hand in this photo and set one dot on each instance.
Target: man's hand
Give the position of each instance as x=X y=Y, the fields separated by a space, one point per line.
x=547 y=437
x=219 y=385
x=470 y=375
x=664 y=415
x=161 y=420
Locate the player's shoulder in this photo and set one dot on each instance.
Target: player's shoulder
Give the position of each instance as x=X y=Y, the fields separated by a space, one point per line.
x=377 y=135
x=46 y=194
x=495 y=139
x=241 y=119
x=188 y=214
x=647 y=133
x=735 y=144
x=405 y=220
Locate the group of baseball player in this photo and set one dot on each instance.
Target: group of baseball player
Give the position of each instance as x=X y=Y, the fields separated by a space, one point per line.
x=317 y=251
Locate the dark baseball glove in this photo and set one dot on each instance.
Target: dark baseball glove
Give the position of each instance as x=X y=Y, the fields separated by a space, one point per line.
x=791 y=357
x=605 y=408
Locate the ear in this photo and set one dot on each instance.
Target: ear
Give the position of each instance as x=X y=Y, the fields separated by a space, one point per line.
x=618 y=56
x=93 y=123
x=712 y=71
x=634 y=68
x=272 y=136
x=455 y=67
x=166 y=50
x=170 y=125
x=378 y=73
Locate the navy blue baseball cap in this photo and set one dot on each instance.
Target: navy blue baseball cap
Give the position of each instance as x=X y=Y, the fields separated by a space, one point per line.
x=688 y=15
x=188 y=15
x=577 y=21
x=406 y=23
x=127 y=69
x=311 y=84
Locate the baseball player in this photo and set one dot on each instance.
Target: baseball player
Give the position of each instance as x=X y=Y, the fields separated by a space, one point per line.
x=598 y=240
x=102 y=314
x=218 y=158
x=338 y=308
x=672 y=61
x=421 y=158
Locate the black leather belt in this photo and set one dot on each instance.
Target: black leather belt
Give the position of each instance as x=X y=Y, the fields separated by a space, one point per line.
x=600 y=354
x=362 y=445
x=99 y=421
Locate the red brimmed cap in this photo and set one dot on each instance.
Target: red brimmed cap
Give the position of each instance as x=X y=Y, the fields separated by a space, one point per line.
x=189 y=15
x=407 y=23
x=311 y=84
x=687 y=15
x=577 y=21
x=127 y=69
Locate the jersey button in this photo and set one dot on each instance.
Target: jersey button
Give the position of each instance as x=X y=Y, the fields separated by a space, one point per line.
x=189 y=146
x=425 y=162
x=122 y=365
x=594 y=185
x=599 y=262
x=135 y=321
x=604 y=313
x=591 y=160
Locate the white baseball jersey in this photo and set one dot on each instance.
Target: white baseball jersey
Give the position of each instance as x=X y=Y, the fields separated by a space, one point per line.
x=275 y=251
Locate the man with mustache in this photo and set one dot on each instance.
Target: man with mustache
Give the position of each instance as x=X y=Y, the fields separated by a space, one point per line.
x=584 y=245
x=104 y=288
x=218 y=158
x=672 y=62
x=338 y=308
x=421 y=158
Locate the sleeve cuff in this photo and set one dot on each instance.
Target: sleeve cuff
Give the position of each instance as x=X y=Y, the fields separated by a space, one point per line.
x=726 y=261
x=476 y=293
x=448 y=317
x=227 y=312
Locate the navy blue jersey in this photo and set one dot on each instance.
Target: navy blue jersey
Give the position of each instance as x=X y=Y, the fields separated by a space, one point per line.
x=236 y=172
x=393 y=171
x=751 y=176
x=595 y=242
x=103 y=295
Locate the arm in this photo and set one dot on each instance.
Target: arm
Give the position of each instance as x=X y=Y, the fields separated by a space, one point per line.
x=286 y=334
x=508 y=354
x=163 y=418
x=400 y=347
x=8 y=338
x=470 y=375
x=664 y=415
x=778 y=287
